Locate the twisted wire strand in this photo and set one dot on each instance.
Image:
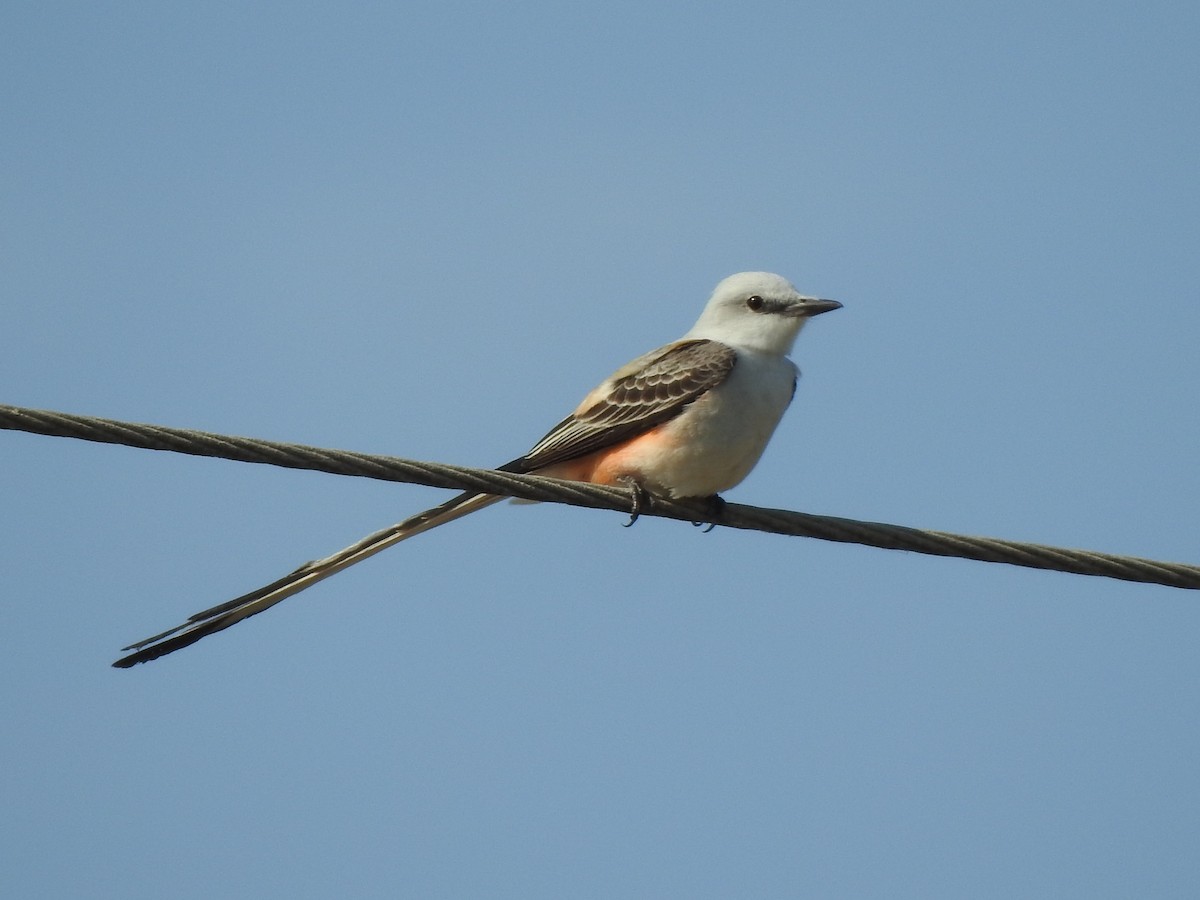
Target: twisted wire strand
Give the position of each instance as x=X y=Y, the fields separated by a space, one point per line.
x=534 y=487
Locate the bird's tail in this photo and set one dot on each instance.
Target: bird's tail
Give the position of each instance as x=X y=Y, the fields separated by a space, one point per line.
x=221 y=617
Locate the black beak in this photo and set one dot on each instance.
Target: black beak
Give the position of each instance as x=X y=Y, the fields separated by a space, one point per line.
x=810 y=306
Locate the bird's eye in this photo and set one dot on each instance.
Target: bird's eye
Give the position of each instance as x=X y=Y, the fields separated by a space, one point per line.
x=755 y=303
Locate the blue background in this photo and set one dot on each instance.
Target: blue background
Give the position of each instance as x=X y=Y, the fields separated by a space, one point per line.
x=428 y=230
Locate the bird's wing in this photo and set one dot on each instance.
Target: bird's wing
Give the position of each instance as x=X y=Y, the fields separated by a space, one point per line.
x=645 y=393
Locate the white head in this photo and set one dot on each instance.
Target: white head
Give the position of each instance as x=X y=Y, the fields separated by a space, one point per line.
x=757 y=311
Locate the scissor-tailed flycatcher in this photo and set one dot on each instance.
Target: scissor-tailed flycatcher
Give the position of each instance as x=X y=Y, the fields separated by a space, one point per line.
x=690 y=419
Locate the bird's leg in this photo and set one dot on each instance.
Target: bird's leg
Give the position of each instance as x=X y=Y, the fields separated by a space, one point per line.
x=639 y=498
x=715 y=507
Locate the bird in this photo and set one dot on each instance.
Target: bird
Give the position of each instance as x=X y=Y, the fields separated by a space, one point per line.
x=688 y=420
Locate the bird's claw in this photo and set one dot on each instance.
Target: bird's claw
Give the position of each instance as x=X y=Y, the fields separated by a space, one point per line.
x=639 y=499
x=715 y=507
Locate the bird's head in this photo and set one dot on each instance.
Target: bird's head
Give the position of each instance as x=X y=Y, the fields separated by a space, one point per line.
x=757 y=311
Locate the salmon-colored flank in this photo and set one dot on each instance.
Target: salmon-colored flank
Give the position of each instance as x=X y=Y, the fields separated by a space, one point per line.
x=608 y=465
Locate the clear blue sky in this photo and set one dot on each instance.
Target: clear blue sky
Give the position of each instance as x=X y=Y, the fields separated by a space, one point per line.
x=427 y=230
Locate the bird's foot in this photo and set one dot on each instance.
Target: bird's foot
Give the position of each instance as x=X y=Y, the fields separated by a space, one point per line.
x=639 y=498
x=715 y=507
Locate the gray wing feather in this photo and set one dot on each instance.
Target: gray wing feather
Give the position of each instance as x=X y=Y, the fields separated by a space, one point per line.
x=651 y=390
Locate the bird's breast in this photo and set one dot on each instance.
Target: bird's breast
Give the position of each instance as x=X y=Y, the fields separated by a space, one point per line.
x=710 y=446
